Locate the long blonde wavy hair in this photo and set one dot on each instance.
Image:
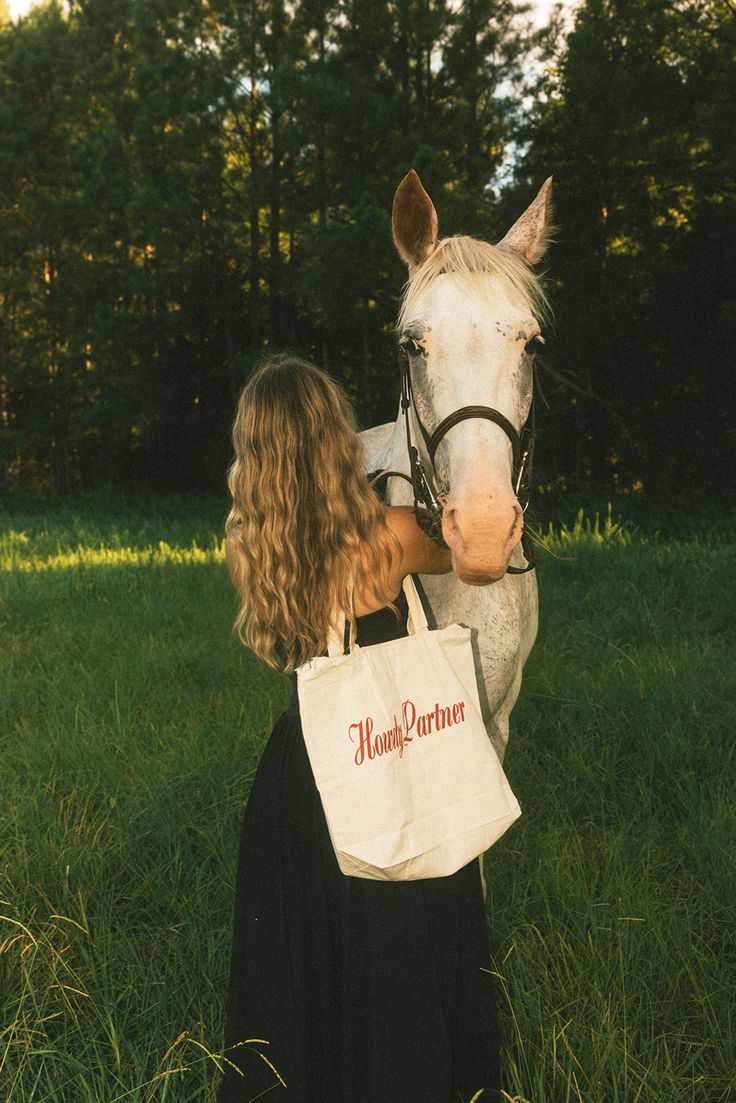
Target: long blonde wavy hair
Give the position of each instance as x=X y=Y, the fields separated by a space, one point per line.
x=304 y=520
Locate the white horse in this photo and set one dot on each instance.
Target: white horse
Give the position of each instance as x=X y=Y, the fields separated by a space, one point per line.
x=469 y=318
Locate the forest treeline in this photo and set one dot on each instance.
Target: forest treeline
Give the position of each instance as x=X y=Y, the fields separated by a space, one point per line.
x=186 y=184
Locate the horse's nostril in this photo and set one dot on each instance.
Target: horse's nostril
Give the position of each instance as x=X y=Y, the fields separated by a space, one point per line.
x=450 y=526
x=518 y=522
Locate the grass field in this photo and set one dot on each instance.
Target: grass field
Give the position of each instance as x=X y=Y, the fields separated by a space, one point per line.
x=132 y=721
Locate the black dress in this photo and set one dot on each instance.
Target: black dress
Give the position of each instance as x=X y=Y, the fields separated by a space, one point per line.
x=365 y=991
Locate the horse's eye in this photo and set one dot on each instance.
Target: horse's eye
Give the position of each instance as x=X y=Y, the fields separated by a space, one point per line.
x=533 y=344
x=409 y=346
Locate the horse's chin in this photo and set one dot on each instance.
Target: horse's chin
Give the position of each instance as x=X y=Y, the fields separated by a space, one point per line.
x=475 y=578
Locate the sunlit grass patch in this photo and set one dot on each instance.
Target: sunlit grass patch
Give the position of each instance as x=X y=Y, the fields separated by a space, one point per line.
x=17 y=553
x=587 y=531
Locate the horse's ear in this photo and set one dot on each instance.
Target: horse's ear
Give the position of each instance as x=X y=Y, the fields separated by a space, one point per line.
x=414 y=221
x=529 y=236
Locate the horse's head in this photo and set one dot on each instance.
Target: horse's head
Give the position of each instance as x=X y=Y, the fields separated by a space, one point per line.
x=469 y=319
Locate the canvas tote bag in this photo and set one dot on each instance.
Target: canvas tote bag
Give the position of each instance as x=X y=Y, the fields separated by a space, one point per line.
x=410 y=783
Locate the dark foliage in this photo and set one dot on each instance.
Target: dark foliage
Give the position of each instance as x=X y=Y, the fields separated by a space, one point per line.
x=186 y=186
x=636 y=117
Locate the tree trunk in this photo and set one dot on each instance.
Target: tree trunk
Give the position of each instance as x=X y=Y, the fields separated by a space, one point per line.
x=254 y=217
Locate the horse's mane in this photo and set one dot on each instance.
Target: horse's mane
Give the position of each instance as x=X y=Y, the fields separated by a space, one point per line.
x=473 y=262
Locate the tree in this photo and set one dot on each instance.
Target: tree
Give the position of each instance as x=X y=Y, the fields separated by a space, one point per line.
x=633 y=121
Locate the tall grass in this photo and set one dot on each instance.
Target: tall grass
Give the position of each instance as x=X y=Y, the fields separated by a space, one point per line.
x=132 y=722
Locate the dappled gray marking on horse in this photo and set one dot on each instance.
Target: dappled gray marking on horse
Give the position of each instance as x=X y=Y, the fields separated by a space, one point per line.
x=473 y=310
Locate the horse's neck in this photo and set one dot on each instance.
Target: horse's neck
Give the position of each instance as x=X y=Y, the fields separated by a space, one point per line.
x=384 y=449
x=400 y=492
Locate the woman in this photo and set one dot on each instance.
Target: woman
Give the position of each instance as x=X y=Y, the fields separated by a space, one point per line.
x=345 y=990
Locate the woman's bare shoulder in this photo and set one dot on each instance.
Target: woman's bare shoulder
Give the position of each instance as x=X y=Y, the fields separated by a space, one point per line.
x=420 y=554
x=401 y=521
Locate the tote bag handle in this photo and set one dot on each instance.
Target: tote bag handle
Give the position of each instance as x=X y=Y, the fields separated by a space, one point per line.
x=339 y=641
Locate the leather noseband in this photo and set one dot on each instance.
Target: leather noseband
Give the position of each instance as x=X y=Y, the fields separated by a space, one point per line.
x=427 y=508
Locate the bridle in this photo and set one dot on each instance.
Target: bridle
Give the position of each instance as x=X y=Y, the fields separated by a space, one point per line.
x=427 y=507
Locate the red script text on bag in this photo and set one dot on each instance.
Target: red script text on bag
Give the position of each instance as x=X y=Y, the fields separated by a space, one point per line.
x=394 y=738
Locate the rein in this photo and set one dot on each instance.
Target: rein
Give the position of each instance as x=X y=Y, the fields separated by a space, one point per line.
x=427 y=507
